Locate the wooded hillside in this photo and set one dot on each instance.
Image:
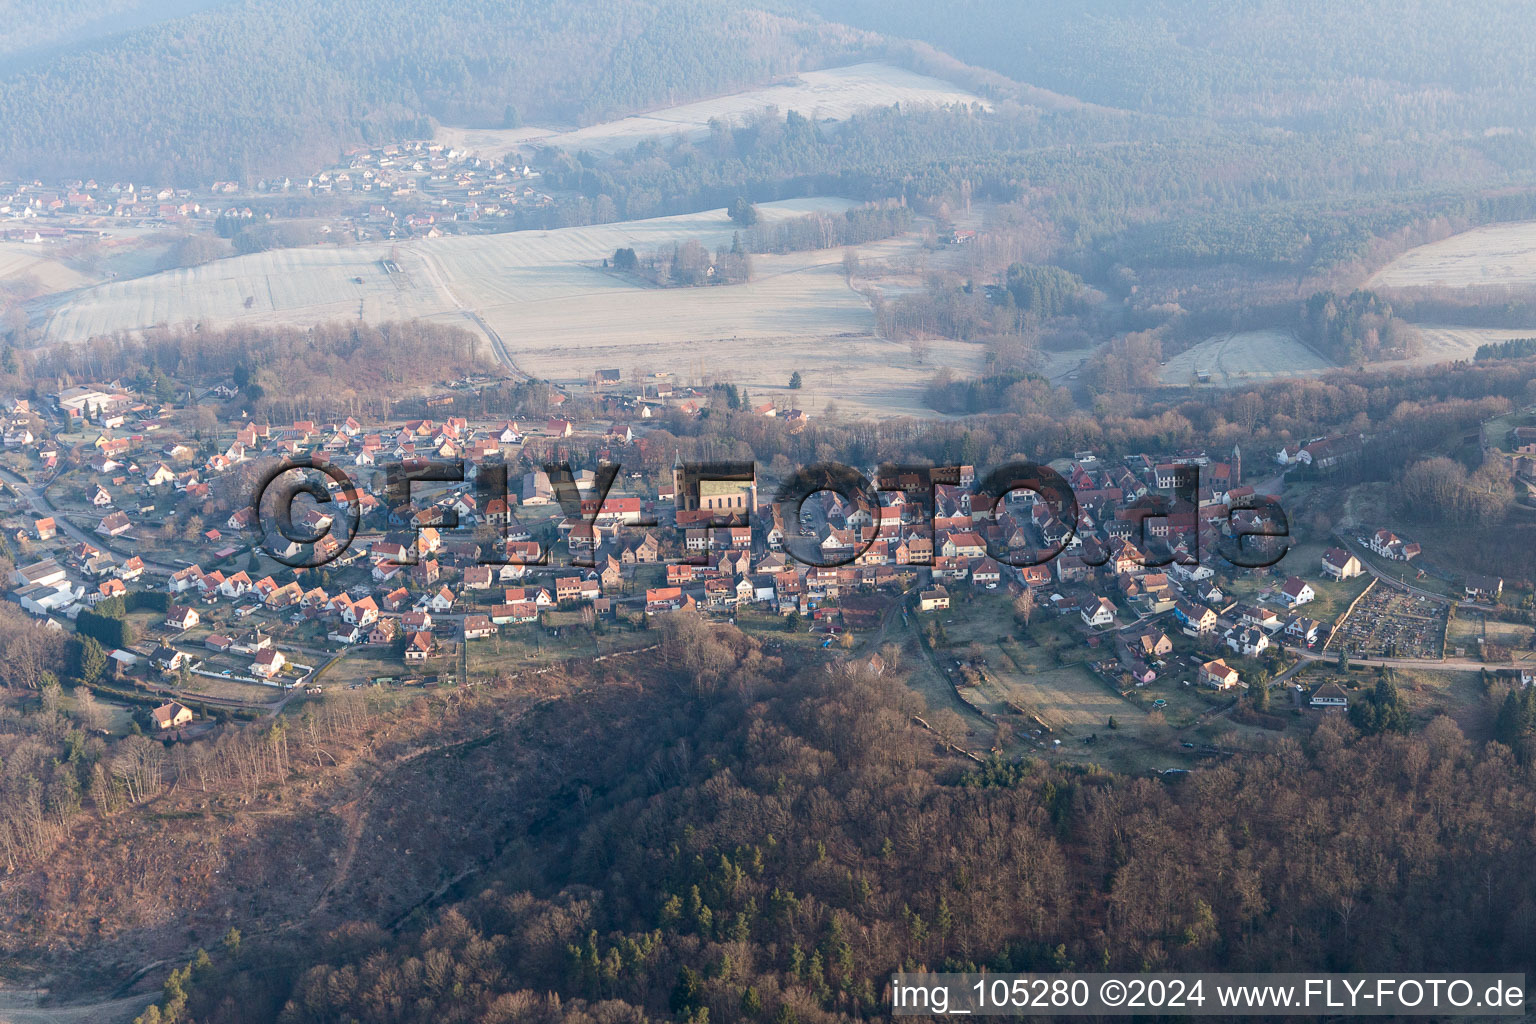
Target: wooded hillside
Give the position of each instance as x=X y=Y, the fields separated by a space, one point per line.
x=265 y=86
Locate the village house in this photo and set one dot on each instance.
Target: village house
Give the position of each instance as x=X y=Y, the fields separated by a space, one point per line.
x=936 y=599
x=963 y=544
x=362 y=613
x=420 y=647
x=1153 y=643
x=477 y=627
x=1098 y=612
x=1483 y=588
x=1329 y=695
x=182 y=617
x=114 y=525
x=268 y=663
x=345 y=633
x=384 y=631
x=171 y=716
x=663 y=599
x=1249 y=641
x=514 y=612
x=986 y=573
x=1340 y=564
x=1253 y=615
x=109 y=589
x=1219 y=675
x=1296 y=592
x=1303 y=630
x=168 y=659
x=1390 y=546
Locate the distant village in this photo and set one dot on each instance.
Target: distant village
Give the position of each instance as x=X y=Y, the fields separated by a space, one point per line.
x=407 y=189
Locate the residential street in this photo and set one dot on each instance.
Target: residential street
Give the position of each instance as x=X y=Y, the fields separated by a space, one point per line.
x=43 y=507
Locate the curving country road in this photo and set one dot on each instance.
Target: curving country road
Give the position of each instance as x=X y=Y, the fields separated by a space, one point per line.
x=498 y=347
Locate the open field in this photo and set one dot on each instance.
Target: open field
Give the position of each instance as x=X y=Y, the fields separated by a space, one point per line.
x=33 y=270
x=39 y=267
x=1471 y=625
x=26 y=1006
x=1041 y=669
x=1245 y=357
x=1250 y=357
x=832 y=94
x=1069 y=699
x=1450 y=344
x=492 y=273
x=559 y=314
x=1499 y=254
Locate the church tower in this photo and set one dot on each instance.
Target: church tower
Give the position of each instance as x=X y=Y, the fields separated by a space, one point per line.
x=677 y=478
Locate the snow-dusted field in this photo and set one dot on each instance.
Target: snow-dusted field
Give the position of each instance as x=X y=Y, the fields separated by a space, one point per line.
x=1449 y=344
x=558 y=313
x=835 y=94
x=1251 y=357
x=290 y=286
x=1244 y=357
x=1500 y=254
x=38 y=265
x=436 y=276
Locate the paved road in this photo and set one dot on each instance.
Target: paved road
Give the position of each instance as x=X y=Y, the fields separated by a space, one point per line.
x=1447 y=665
x=1402 y=583
x=41 y=505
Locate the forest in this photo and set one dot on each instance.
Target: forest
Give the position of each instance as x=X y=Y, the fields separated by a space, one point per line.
x=1304 y=65
x=1514 y=348
x=776 y=840
x=1358 y=327
x=1113 y=190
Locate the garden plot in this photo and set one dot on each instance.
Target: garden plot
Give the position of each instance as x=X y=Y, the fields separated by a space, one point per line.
x=832 y=94
x=1071 y=698
x=1499 y=254
x=1244 y=357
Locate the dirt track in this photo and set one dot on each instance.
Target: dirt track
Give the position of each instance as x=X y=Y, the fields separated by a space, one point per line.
x=19 y=1006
